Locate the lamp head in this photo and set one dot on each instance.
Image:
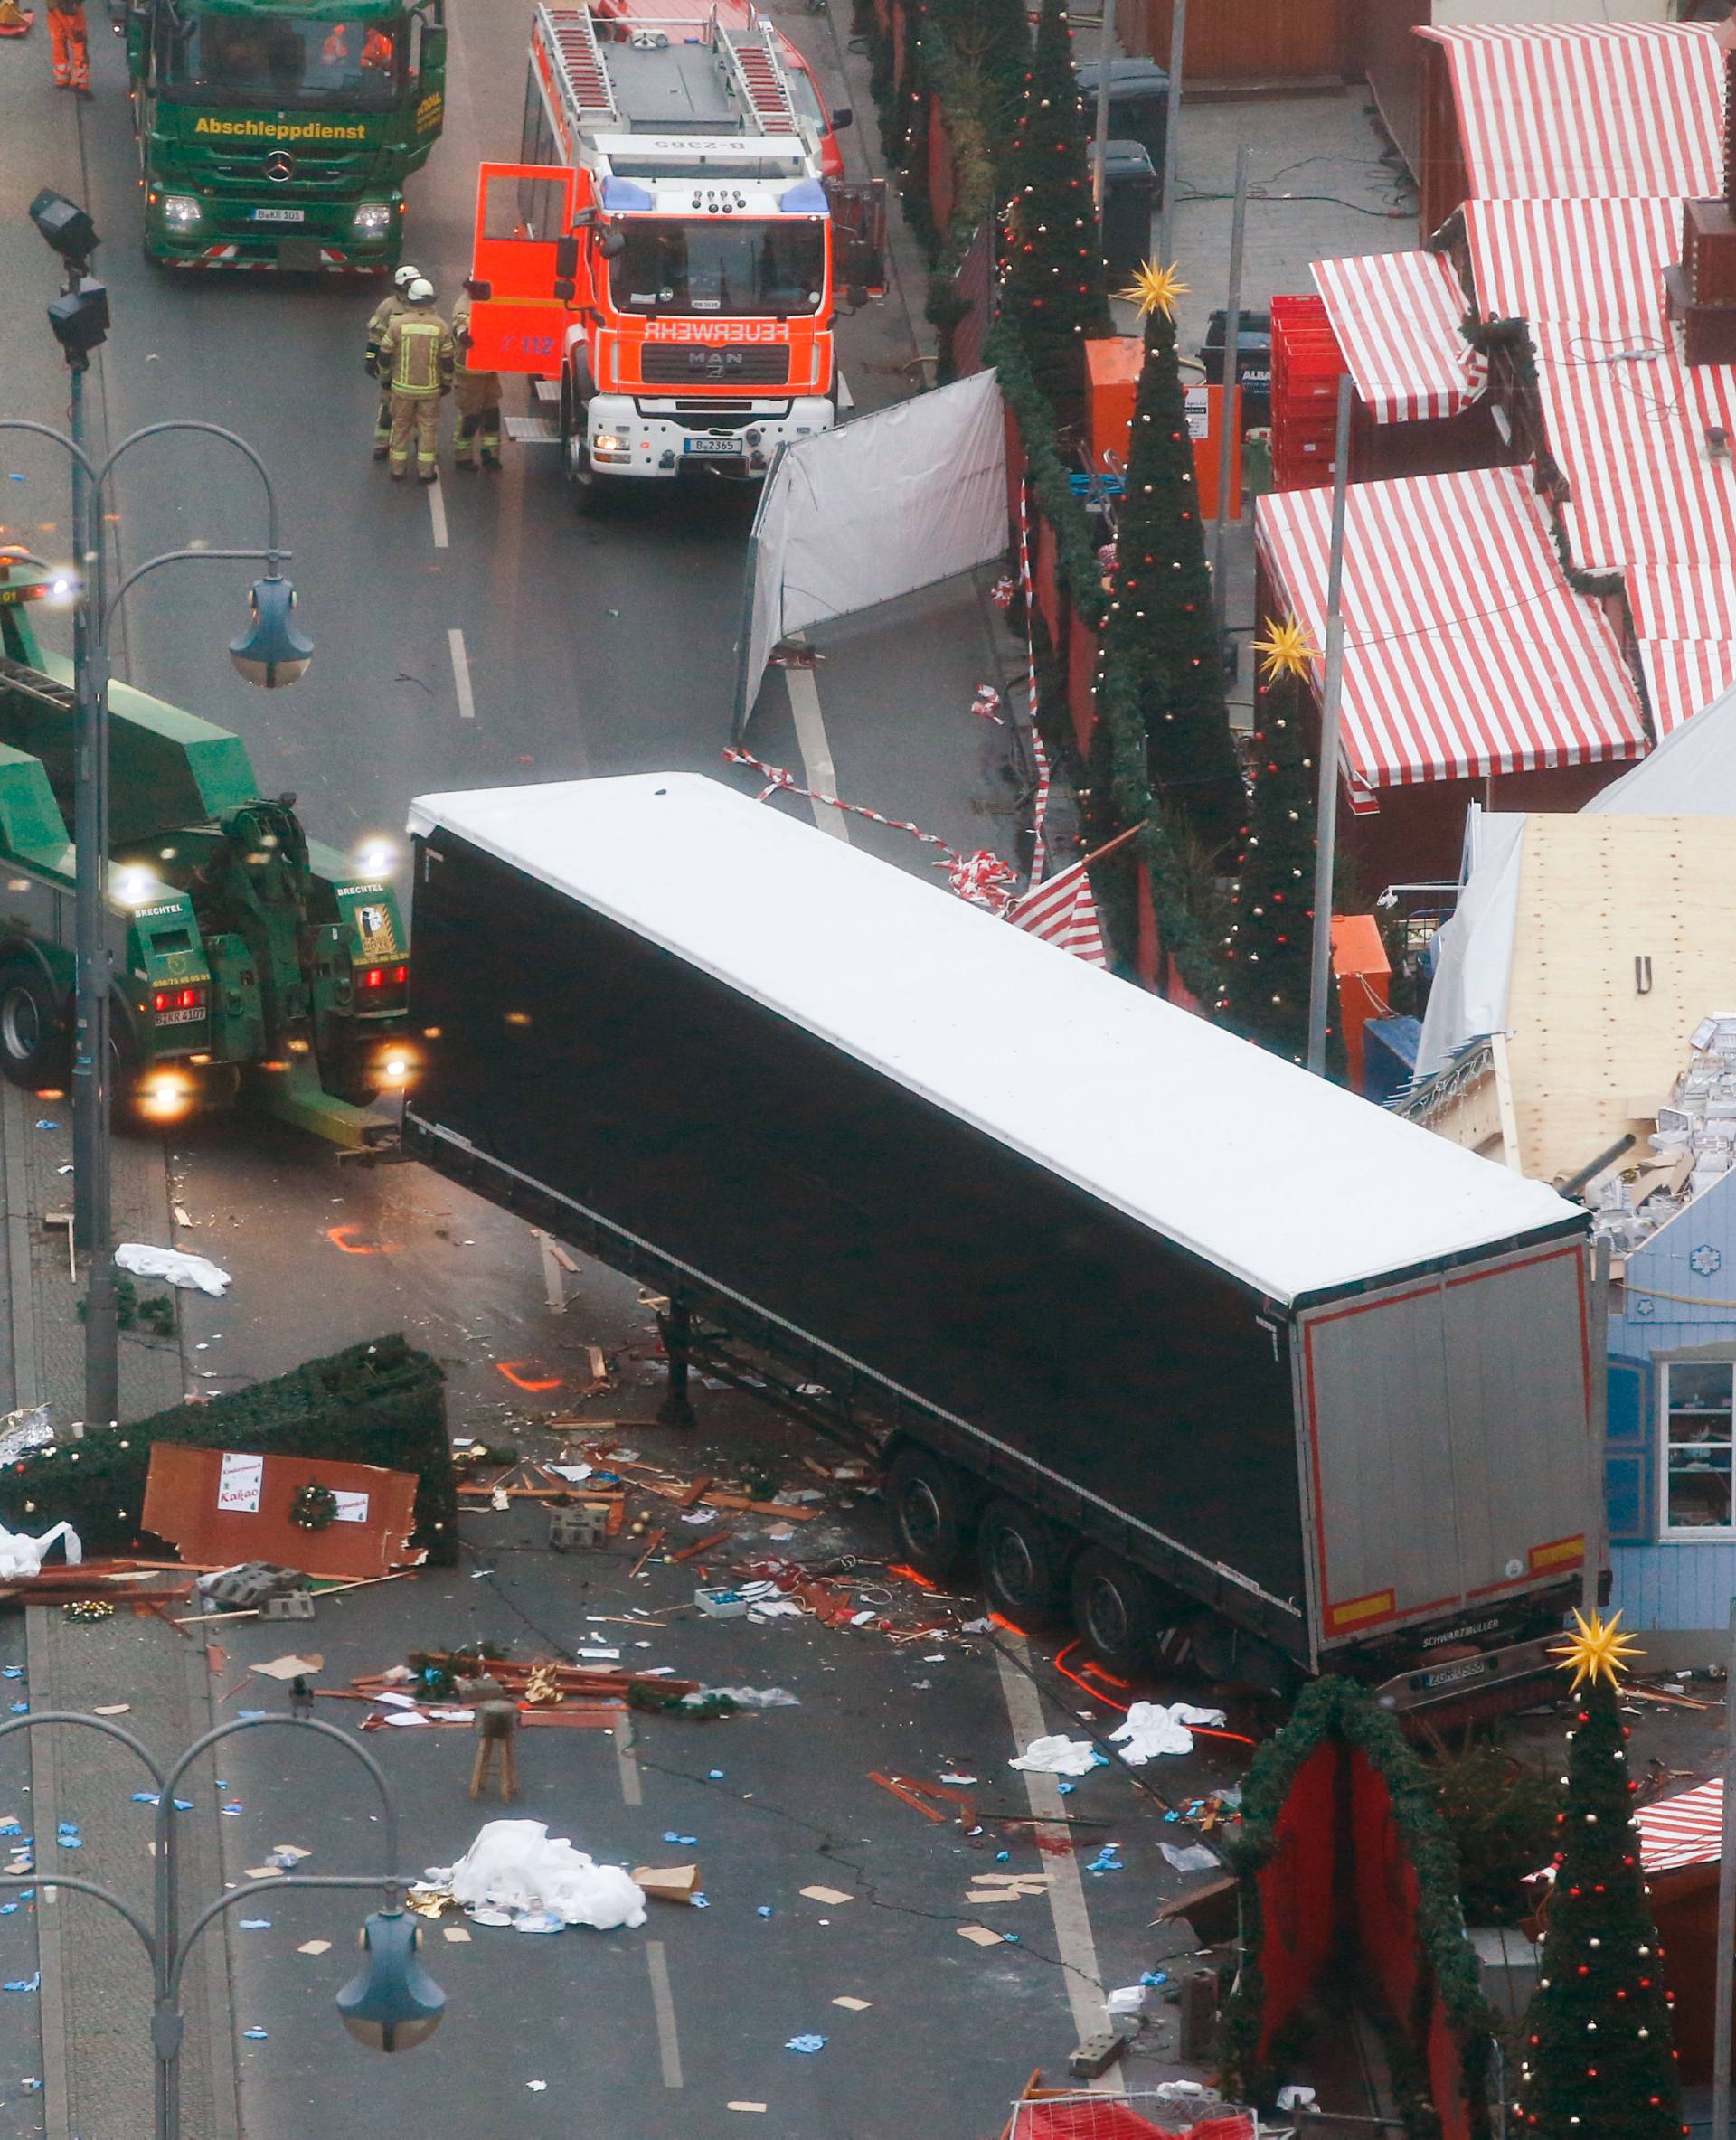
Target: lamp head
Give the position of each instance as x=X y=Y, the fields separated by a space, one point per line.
x=271 y=652
x=64 y=225
x=391 y=2004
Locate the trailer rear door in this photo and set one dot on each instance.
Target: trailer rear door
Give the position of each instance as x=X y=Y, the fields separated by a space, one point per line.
x=1445 y=1428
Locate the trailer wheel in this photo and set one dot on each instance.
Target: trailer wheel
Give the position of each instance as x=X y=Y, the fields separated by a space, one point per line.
x=33 y=1044
x=927 y=1513
x=1114 y=1609
x=1021 y=1556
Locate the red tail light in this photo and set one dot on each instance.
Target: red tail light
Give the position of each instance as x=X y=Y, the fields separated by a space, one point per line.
x=184 y=1001
x=380 y=983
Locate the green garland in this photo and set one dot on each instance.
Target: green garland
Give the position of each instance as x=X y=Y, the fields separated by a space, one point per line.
x=314 y=1507
x=374 y=1403
x=1340 y=1710
x=976 y=94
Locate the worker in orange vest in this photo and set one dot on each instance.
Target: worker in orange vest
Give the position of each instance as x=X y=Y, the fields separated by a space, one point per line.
x=70 y=46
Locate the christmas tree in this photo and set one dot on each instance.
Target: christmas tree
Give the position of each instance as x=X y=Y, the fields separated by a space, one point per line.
x=1160 y=662
x=1598 y=2061
x=1053 y=289
x=1269 y=951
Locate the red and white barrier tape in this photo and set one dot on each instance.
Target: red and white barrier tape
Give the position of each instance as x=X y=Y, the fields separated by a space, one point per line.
x=982 y=877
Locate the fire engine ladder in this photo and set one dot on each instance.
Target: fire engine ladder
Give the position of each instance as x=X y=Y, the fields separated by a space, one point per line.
x=576 y=64
x=757 y=75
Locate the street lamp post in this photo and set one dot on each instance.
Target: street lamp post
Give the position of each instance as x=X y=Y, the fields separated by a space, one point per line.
x=271 y=653
x=391 y=2004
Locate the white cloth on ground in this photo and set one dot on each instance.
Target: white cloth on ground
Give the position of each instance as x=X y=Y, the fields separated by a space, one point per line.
x=1056 y=1756
x=518 y=1867
x=173 y=1265
x=1153 y=1728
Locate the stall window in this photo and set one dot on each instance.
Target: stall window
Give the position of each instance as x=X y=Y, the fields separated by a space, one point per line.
x=1696 y=1451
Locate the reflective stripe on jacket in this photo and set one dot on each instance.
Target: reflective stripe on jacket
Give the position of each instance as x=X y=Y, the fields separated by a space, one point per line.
x=420 y=352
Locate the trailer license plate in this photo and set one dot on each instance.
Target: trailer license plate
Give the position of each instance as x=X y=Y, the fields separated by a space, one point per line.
x=279 y=215
x=179 y=1017
x=730 y=447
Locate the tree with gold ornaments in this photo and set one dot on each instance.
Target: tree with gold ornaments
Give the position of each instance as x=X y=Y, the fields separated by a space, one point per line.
x=1052 y=289
x=1159 y=664
x=1596 y=2059
x=1267 y=955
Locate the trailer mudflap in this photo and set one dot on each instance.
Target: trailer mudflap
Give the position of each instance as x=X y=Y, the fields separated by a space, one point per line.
x=1453 y=1678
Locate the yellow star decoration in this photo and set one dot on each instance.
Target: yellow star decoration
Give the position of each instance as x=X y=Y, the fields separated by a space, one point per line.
x=1287 y=649
x=1156 y=289
x=1598 y=1650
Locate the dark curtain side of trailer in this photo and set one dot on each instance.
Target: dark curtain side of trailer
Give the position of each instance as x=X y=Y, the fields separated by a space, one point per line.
x=1118 y=1379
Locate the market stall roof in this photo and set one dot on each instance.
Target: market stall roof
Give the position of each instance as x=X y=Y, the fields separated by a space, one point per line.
x=1686 y=1830
x=1280 y=1179
x=1561 y=108
x=1465 y=651
x=1398 y=319
x=1627 y=420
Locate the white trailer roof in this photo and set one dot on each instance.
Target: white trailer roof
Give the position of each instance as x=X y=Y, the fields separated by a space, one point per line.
x=1286 y=1181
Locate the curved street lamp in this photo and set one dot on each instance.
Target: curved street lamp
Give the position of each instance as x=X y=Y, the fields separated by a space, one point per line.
x=392 y=2005
x=271 y=652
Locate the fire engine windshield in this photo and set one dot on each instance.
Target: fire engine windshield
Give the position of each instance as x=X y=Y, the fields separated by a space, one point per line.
x=267 y=60
x=727 y=266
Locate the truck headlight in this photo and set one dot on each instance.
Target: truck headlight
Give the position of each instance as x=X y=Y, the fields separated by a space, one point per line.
x=180 y=211
x=608 y=446
x=373 y=218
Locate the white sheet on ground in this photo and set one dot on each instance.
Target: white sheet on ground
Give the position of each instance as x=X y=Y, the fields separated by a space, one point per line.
x=1152 y=1728
x=518 y=1867
x=22 y=1558
x=175 y=1266
x=1056 y=1755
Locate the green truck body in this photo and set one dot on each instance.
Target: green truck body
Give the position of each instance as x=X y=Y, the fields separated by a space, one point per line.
x=249 y=961
x=274 y=135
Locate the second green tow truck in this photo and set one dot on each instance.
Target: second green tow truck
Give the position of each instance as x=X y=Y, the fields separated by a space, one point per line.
x=250 y=964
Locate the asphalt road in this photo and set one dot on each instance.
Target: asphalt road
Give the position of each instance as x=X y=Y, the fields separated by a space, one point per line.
x=589 y=647
x=658 y=2032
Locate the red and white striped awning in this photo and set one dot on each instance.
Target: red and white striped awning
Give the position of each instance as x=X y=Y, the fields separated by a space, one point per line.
x=1567 y=108
x=1597 y=264
x=1684 y=676
x=1686 y=1830
x=1465 y=651
x=1627 y=422
x=1398 y=319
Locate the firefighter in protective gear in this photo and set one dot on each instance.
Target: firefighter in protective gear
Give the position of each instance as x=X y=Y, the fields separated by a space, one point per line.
x=417 y=356
x=390 y=308
x=68 y=46
x=477 y=396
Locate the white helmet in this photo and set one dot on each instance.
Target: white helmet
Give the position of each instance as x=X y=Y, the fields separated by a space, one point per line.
x=420 y=291
x=402 y=278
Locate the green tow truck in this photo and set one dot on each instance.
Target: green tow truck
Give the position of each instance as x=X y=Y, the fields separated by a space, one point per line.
x=249 y=963
x=274 y=135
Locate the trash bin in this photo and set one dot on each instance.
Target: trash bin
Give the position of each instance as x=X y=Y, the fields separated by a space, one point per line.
x=1129 y=199
x=1253 y=362
x=1138 y=106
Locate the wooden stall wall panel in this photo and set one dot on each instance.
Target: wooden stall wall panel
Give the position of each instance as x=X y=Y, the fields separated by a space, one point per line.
x=1250 y=41
x=221 y=1507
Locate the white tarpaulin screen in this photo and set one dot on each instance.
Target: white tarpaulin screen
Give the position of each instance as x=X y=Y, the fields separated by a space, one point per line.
x=882 y=506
